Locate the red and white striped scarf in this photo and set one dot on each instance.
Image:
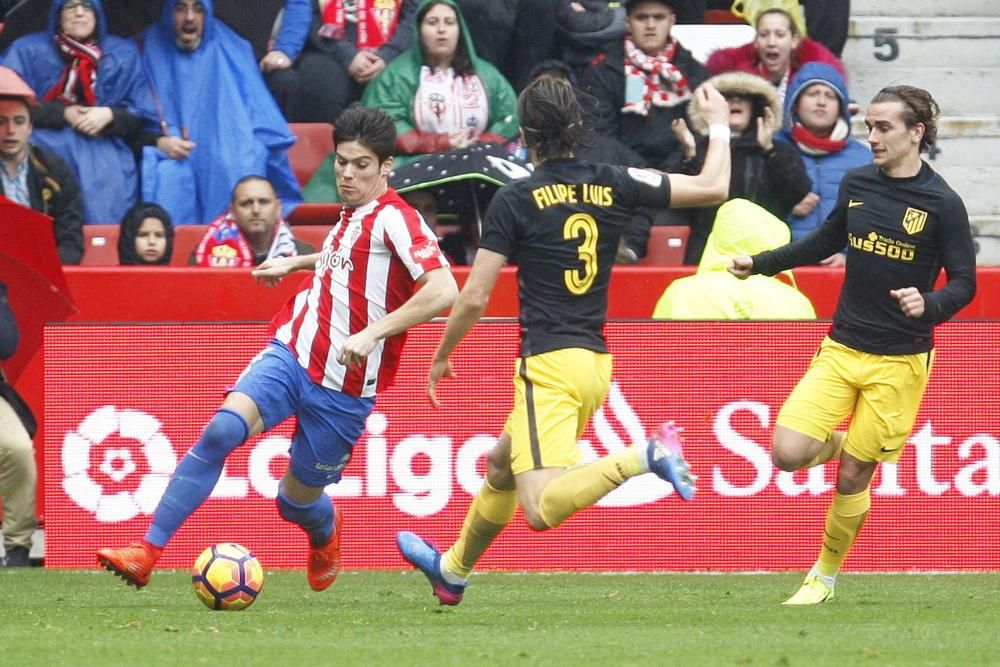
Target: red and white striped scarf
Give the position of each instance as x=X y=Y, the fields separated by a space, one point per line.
x=78 y=80
x=224 y=245
x=376 y=21
x=653 y=80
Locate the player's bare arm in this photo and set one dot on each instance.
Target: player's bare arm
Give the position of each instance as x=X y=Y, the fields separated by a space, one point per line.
x=468 y=308
x=711 y=186
x=911 y=301
x=271 y=271
x=437 y=291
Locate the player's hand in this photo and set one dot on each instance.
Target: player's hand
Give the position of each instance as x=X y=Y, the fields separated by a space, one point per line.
x=356 y=349
x=714 y=107
x=835 y=260
x=911 y=301
x=741 y=266
x=440 y=368
x=271 y=271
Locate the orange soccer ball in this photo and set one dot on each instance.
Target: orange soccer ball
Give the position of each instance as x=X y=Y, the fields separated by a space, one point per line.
x=227 y=577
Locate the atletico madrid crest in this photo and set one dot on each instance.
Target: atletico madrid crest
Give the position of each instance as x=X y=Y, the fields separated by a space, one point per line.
x=914 y=220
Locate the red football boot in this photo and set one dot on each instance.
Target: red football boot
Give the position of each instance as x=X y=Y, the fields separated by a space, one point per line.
x=133 y=563
x=324 y=561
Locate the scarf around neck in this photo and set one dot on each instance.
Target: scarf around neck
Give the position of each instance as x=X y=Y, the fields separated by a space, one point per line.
x=449 y=102
x=653 y=80
x=810 y=144
x=224 y=245
x=79 y=77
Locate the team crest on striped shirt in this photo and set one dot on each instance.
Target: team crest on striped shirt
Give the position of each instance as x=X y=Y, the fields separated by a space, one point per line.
x=914 y=220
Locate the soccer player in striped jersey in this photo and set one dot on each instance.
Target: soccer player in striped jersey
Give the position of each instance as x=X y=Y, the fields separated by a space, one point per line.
x=901 y=224
x=336 y=344
x=561 y=226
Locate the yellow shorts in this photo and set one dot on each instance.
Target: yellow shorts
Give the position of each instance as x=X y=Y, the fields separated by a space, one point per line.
x=555 y=395
x=882 y=391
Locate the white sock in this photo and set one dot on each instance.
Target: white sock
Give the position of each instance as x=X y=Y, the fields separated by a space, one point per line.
x=640 y=454
x=830 y=581
x=450 y=576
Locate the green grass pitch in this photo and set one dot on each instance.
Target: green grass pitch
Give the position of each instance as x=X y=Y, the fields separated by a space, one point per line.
x=57 y=617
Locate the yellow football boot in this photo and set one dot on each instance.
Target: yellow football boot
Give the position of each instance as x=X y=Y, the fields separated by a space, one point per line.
x=812 y=591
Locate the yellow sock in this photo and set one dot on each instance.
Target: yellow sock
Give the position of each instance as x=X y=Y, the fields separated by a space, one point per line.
x=831 y=449
x=582 y=486
x=490 y=511
x=843 y=522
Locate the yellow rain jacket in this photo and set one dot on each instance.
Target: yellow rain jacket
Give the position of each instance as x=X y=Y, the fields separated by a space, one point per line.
x=741 y=228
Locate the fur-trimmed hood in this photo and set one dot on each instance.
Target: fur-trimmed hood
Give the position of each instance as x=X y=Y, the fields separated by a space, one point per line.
x=742 y=83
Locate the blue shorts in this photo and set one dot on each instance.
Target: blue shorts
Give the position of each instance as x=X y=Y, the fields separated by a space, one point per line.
x=329 y=421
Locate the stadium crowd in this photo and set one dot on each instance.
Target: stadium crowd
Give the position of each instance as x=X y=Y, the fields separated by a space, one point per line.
x=175 y=115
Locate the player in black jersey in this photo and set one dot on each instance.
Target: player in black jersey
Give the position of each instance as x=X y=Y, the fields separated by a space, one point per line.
x=561 y=226
x=901 y=224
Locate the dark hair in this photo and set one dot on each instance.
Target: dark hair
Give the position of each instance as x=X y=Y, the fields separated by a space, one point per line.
x=129 y=228
x=551 y=117
x=246 y=179
x=372 y=128
x=918 y=107
x=671 y=4
x=461 y=62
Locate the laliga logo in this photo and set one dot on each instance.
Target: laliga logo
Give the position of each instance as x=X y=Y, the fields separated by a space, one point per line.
x=117 y=464
x=638 y=490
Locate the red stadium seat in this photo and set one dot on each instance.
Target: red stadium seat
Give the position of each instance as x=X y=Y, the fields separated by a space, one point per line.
x=186 y=239
x=314 y=235
x=100 y=245
x=314 y=143
x=666 y=246
x=315 y=214
x=721 y=17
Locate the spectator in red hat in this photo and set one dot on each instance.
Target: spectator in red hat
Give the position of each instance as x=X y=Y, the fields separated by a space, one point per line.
x=34 y=177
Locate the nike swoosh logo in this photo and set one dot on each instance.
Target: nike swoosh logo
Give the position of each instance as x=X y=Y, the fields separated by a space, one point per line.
x=884 y=450
x=852 y=203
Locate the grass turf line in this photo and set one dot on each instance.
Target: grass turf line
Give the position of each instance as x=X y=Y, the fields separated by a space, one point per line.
x=59 y=617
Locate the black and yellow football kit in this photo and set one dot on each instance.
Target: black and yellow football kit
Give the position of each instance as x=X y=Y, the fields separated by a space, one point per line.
x=561 y=227
x=876 y=361
x=899 y=232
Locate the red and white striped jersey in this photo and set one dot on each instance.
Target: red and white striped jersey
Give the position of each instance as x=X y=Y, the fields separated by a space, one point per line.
x=368 y=267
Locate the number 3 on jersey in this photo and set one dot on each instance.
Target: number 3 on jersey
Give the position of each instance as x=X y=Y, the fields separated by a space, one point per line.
x=584 y=227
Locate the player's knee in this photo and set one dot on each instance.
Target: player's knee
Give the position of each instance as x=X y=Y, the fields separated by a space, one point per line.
x=535 y=521
x=784 y=459
x=539 y=517
x=225 y=432
x=789 y=452
x=498 y=473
